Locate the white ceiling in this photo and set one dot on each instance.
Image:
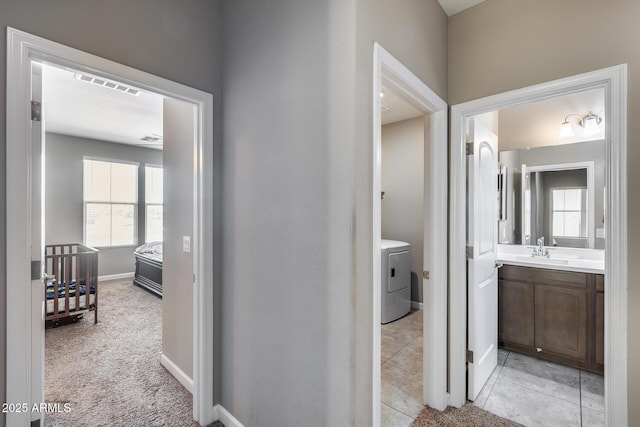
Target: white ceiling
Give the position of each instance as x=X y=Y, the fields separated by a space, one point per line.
x=78 y=108
x=538 y=124
x=451 y=7
x=530 y=125
x=395 y=109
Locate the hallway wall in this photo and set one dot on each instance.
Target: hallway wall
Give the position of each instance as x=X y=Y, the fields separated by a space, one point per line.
x=298 y=124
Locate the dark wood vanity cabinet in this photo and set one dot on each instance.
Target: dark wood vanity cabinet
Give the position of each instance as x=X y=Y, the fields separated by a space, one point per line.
x=551 y=314
x=516 y=313
x=599 y=344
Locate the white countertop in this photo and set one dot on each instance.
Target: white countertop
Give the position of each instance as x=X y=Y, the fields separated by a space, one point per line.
x=564 y=259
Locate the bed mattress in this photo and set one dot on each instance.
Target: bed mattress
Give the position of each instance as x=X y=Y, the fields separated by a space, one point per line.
x=150 y=250
x=62 y=302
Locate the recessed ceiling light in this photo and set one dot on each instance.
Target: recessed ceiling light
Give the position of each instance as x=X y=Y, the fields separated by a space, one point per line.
x=108 y=84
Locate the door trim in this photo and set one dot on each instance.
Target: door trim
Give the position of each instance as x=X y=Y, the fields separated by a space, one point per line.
x=22 y=49
x=614 y=82
x=391 y=73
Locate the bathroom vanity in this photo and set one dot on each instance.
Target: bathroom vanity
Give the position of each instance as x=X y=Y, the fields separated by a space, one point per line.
x=553 y=307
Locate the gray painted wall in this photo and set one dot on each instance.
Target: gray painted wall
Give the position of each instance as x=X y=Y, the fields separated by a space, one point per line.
x=176 y=40
x=64 y=201
x=403 y=184
x=287 y=315
x=177 y=265
x=298 y=199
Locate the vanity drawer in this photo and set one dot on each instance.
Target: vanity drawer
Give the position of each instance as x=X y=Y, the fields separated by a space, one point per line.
x=541 y=276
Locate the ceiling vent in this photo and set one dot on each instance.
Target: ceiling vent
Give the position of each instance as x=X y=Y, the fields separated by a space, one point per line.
x=108 y=84
x=151 y=138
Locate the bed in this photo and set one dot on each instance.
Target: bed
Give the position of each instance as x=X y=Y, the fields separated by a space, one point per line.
x=71 y=277
x=149 y=267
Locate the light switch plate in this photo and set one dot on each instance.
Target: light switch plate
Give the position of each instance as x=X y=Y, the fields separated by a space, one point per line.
x=186 y=244
x=600 y=233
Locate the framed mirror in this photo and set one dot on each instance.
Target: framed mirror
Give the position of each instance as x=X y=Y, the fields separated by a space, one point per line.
x=558 y=204
x=565 y=182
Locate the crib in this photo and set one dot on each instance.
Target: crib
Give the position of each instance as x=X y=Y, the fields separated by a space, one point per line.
x=71 y=277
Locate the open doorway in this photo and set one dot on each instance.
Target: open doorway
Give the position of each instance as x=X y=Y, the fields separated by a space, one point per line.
x=612 y=84
x=430 y=125
x=402 y=198
x=24 y=314
x=103 y=196
x=548 y=226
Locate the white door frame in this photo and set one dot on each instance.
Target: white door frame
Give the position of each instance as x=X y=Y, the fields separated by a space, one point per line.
x=614 y=82
x=389 y=72
x=22 y=49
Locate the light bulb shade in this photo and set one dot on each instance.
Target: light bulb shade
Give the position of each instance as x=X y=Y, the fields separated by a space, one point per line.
x=566 y=131
x=591 y=125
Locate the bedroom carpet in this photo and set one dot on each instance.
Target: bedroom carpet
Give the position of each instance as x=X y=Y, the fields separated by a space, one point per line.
x=110 y=372
x=468 y=415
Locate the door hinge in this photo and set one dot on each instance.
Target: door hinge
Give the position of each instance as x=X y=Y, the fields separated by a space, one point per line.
x=469 y=252
x=469 y=356
x=36 y=270
x=469 y=148
x=36 y=111
x=425 y=275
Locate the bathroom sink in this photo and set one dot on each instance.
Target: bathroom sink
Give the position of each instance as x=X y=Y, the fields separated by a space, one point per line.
x=543 y=260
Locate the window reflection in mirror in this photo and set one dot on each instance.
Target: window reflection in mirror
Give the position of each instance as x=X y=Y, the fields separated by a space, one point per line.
x=555 y=192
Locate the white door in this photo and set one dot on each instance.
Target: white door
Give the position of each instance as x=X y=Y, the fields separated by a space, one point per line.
x=35 y=358
x=482 y=236
x=37 y=240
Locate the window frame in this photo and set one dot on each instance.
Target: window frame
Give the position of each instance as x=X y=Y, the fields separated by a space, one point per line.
x=147 y=204
x=584 y=212
x=134 y=204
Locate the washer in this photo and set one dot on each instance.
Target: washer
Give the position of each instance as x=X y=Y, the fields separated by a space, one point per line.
x=396 y=279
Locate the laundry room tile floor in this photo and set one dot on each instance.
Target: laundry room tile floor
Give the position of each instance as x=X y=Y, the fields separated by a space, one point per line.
x=529 y=391
x=535 y=392
x=401 y=358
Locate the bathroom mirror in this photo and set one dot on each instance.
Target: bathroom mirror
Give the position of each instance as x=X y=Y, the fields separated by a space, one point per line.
x=555 y=192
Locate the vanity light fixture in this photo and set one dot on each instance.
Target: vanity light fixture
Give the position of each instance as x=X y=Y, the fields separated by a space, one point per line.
x=589 y=123
x=383 y=107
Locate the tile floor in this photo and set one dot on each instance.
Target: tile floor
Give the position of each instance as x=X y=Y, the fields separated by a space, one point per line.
x=401 y=358
x=534 y=392
x=524 y=389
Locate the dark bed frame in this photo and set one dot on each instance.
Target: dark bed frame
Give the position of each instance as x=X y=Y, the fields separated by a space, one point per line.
x=148 y=273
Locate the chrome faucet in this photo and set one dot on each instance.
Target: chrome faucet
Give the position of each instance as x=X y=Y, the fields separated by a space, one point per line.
x=540 y=250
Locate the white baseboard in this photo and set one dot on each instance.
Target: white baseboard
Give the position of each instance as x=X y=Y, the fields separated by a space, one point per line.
x=178 y=373
x=416 y=305
x=225 y=417
x=116 y=276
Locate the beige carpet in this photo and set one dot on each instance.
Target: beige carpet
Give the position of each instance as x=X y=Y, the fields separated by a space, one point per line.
x=110 y=372
x=468 y=415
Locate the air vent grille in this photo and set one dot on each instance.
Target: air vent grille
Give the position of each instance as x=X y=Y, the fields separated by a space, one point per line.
x=108 y=84
x=151 y=138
